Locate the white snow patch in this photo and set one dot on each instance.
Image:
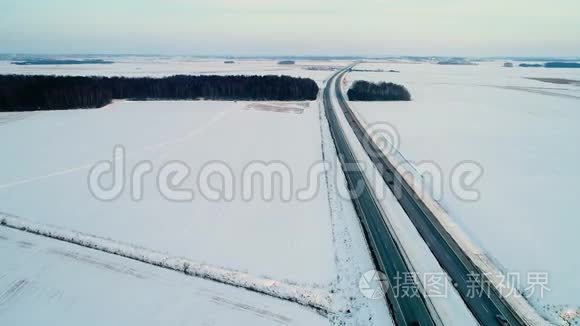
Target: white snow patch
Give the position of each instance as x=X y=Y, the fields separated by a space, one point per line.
x=271 y=238
x=313 y=298
x=70 y=285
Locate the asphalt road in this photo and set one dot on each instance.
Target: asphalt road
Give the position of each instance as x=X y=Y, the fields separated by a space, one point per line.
x=408 y=309
x=488 y=305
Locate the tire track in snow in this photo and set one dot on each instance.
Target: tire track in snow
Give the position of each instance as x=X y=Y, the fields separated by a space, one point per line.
x=262 y=313
x=9 y=117
x=86 y=259
x=12 y=292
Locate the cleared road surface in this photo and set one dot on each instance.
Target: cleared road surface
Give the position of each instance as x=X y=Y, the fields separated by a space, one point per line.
x=489 y=308
x=406 y=310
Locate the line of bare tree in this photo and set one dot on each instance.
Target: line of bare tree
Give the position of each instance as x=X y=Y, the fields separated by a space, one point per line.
x=31 y=93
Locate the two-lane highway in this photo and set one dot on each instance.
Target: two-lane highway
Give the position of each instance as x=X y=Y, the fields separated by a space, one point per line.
x=406 y=310
x=489 y=308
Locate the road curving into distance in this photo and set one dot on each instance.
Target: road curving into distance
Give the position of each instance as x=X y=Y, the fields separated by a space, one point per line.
x=408 y=310
x=488 y=308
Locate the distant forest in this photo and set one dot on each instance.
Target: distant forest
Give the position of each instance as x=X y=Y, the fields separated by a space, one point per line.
x=530 y=65
x=555 y=64
x=40 y=62
x=365 y=91
x=562 y=65
x=32 y=93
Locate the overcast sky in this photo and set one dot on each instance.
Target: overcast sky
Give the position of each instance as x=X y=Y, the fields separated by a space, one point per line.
x=292 y=27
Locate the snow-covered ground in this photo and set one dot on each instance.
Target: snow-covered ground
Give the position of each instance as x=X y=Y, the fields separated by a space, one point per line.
x=69 y=285
x=523 y=133
x=160 y=66
x=312 y=243
x=52 y=160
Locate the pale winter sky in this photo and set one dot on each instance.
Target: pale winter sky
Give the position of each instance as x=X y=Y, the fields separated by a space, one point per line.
x=292 y=27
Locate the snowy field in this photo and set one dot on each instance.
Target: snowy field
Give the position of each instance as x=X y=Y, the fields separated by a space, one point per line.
x=314 y=244
x=223 y=233
x=523 y=133
x=160 y=67
x=71 y=285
